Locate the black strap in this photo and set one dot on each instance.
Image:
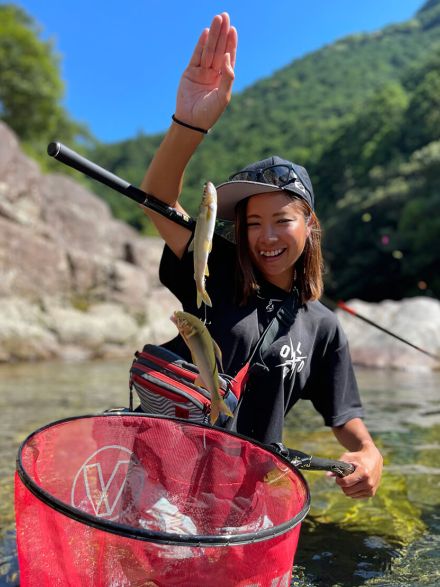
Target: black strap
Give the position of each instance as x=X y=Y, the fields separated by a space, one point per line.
x=284 y=318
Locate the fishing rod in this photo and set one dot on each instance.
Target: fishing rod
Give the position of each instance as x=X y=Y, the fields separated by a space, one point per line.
x=353 y=312
x=71 y=158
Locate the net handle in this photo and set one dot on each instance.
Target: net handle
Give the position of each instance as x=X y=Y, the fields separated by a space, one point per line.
x=302 y=460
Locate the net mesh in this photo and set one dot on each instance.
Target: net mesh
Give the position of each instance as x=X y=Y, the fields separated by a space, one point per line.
x=158 y=494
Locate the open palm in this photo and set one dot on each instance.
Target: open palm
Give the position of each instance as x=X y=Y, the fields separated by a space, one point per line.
x=206 y=84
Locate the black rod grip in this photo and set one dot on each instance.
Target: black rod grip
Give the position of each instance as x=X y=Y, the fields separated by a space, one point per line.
x=339 y=468
x=302 y=460
x=80 y=163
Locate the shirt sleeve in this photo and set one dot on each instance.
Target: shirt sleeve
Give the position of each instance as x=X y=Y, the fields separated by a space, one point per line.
x=334 y=391
x=177 y=275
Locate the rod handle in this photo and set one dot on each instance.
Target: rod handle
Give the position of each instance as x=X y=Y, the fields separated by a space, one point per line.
x=80 y=163
x=73 y=159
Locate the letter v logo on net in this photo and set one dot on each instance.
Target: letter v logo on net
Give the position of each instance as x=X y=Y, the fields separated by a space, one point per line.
x=108 y=483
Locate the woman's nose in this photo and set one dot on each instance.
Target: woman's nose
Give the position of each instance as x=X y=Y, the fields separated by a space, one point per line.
x=268 y=233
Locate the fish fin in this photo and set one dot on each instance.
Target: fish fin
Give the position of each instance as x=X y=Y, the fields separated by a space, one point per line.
x=215 y=413
x=191 y=245
x=206 y=273
x=199 y=381
x=218 y=354
x=218 y=405
x=205 y=297
x=199 y=299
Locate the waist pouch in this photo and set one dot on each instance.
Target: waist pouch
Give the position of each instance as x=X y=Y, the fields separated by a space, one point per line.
x=165 y=385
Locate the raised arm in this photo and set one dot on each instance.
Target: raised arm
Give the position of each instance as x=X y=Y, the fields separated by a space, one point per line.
x=203 y=94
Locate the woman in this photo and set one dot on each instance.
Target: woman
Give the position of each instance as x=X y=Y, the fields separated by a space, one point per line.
x=277 y=256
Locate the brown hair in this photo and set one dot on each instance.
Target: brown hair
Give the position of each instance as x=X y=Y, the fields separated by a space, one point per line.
x=308 y=268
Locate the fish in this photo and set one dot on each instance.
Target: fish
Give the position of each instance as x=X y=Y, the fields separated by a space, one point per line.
x=202 y=241
x=205 y=354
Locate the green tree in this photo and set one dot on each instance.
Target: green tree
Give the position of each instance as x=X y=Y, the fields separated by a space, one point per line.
x=422 y=124
x=369 y=140
x=30 y=84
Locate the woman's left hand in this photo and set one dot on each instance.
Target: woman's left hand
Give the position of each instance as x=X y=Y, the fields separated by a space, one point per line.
x=365 y=480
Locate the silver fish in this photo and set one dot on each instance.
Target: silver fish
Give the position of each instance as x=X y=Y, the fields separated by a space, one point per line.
x=204 y=352
x=202 y=241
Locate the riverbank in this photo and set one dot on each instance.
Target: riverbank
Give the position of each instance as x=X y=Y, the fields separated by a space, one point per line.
x=52 y=330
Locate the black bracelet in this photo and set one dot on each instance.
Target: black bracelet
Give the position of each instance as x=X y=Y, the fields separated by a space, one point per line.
x=198 y=129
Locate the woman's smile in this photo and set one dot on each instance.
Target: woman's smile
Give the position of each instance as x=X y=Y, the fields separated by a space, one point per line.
x=275 y=253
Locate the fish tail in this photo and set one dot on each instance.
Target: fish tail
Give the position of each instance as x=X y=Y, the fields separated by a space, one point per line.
x=224 y=409
x=218 y=405
x=215 y=412
x=202 y=296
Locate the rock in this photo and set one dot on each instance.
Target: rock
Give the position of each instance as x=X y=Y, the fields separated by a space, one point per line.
x=20 y=194
x=159 y=327
x=417 y=320
x=31 y=265
x=74 y=282
x=23 y=335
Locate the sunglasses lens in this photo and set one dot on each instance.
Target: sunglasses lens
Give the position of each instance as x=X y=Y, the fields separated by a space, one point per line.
x=243 y=176
x=278 y=175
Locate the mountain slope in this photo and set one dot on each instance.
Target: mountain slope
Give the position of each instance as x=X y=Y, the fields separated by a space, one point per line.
x=355 y=113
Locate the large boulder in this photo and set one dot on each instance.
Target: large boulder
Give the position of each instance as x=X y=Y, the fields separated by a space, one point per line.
x=74 y=281
x=416 y=320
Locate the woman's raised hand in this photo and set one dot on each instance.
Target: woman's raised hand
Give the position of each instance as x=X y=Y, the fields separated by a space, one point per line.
x=206 y=84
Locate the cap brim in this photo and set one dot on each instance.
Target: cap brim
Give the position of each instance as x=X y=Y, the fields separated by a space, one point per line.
x=232 y=192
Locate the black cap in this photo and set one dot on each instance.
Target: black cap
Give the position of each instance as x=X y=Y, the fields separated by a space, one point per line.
x=233 y=191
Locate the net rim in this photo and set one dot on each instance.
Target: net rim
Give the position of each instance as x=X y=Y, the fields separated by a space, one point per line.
x=149 y=535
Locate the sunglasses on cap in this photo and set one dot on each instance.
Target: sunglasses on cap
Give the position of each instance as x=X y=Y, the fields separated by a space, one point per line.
x=279 y=175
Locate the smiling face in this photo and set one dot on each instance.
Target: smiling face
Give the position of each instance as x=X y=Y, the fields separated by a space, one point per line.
x=277 y=231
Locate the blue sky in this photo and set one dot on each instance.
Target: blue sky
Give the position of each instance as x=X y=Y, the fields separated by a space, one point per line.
x=121 y=61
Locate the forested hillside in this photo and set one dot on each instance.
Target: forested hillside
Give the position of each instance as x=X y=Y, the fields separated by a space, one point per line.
x=363 y=116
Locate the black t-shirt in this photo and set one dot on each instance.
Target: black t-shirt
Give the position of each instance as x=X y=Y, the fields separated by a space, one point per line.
x=309 y=360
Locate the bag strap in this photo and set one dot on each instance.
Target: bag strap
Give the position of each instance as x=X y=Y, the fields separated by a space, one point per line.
x=284 y=317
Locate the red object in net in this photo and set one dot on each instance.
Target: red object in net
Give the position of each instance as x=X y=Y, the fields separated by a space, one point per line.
x=130 y=500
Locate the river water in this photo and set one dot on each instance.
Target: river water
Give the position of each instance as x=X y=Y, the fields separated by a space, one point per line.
x=391 y=540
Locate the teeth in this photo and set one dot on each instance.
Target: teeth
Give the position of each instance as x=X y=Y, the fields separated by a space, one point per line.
x=271 y=253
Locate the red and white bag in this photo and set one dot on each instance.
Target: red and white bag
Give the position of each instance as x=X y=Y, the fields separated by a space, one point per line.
x=165 y=385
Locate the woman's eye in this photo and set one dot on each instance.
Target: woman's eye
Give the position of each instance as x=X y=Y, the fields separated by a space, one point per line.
x=251 y=224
